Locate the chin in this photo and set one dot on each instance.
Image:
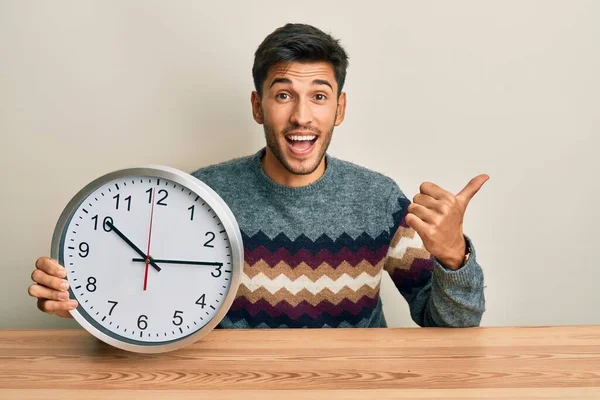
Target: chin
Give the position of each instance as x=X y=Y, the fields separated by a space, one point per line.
x=304 y=167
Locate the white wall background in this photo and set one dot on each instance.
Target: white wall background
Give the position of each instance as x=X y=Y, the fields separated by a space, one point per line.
x=438 y=91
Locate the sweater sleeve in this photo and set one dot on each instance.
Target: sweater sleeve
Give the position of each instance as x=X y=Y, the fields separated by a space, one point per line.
x=436 y=296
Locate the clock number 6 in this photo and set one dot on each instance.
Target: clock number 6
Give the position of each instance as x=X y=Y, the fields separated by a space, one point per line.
x=142 y=322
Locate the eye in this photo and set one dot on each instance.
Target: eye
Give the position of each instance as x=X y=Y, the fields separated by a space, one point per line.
x=320 y=97
x=282 y=96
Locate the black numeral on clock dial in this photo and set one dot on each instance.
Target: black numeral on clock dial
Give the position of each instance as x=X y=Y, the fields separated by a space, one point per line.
x=127 y=199
x=177 y=319
x=114 y=304
x=202 y=300
x=104 y=223
x=142 y=322
x=217 y=272
x=91 y=284
x=161 y=201
x=207 y=244
x=84 y=249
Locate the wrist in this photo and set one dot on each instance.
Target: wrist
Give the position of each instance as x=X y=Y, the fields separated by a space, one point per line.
x=451 y=263
x=458 y=259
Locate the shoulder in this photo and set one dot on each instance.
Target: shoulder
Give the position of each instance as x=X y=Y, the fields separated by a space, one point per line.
x=228 y=178
x=358 y=177
x=234 y=164
x=223 y=172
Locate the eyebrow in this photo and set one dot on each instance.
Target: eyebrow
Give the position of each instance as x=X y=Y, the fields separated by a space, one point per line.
x=315 y=82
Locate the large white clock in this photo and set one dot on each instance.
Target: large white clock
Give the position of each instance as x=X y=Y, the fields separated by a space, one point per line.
x=153 y=256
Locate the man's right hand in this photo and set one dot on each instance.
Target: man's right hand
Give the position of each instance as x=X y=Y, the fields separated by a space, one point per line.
x=50 y=288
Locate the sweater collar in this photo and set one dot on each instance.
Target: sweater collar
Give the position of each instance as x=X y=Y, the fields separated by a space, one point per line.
x=323 y=181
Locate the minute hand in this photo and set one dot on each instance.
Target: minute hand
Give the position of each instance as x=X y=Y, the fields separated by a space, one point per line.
x=133 y=246
x=211 y=264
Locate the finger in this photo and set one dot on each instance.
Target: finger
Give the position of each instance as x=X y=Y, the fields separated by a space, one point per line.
x=433 y=190
x=472 y=188
x=417 y=224
x=52 y=282
x=56 y=307
x=423 y=213
x=428 y=202
x=51 y=267
x=42 y=292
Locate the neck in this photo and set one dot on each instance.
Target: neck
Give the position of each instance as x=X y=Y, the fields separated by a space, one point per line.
x=279 y=174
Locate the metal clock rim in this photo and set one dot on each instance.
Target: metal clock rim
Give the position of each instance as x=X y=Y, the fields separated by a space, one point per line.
x=210 y=197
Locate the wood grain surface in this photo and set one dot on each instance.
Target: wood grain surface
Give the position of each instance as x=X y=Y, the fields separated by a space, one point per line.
x=410 y=363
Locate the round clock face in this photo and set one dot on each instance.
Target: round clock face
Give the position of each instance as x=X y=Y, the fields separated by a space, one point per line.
x=153 y=258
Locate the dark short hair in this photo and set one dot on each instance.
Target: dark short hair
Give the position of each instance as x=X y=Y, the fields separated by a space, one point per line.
x=301 y=43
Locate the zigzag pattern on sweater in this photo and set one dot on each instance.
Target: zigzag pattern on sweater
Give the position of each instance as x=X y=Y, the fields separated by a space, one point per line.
x=326 y=282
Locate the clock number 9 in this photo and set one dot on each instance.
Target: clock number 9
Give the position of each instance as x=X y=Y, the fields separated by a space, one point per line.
x=84 y=249
x=142 y=322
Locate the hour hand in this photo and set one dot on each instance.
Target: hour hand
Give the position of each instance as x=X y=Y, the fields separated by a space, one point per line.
x=151 y=261
x=211 y=264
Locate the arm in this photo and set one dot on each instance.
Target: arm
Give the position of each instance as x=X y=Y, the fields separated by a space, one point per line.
x=436 y=295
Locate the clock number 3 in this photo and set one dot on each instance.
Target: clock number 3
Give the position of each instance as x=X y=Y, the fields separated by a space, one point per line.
x=217 y=271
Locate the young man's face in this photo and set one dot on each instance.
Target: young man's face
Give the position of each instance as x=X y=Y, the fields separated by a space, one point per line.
x=299 y=108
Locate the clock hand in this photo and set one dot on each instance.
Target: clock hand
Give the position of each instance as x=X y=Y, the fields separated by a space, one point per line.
x=149 y=238
x=133 y=246
x=212 y=264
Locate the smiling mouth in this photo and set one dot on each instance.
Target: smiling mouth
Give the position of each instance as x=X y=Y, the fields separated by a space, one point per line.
x=301 y=143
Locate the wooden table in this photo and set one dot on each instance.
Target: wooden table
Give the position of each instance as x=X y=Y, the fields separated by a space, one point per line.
x=413 y=363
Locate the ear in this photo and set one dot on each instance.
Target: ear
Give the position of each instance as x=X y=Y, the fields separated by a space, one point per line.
x=257 y=113
x=341 y=109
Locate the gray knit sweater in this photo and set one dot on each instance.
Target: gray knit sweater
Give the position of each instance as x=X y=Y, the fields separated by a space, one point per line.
x=314 y=255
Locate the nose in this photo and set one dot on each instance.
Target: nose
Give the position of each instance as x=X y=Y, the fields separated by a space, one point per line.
x=301 y=114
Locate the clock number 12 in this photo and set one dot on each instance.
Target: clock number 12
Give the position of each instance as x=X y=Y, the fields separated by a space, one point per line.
x=161 y=201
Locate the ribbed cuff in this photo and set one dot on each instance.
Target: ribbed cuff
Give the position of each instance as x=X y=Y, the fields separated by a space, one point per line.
x=469 y=275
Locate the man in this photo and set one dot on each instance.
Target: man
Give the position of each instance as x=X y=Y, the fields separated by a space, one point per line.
x=318 y=232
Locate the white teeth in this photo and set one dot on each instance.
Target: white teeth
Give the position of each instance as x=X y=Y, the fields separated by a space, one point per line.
x=301 y=138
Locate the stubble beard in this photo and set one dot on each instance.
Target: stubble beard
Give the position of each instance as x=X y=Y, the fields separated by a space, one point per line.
x=303 y=169
x=278 y=152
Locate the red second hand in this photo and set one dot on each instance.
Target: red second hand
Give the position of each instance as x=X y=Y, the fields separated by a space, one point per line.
x=149 y=238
